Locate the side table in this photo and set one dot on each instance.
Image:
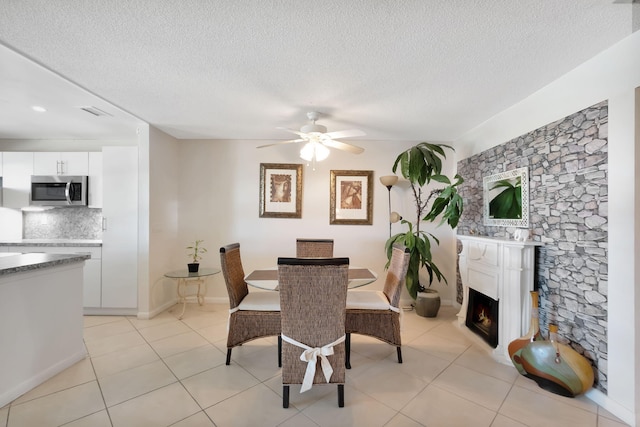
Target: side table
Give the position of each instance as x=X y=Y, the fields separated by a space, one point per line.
x=185 y=278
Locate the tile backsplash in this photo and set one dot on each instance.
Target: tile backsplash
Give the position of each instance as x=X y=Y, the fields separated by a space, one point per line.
x=63 y=223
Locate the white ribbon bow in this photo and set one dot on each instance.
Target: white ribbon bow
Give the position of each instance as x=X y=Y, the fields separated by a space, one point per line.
x=310 y=355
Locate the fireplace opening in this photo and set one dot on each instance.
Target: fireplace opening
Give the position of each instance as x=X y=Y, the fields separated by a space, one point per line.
x=482 y=317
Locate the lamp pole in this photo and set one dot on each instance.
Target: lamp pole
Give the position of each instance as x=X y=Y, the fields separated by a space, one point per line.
x=389 y=181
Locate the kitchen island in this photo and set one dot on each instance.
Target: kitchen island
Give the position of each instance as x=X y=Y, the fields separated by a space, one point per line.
x=41 y=319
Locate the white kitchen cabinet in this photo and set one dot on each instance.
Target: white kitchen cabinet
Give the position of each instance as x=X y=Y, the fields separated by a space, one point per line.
x=95 y=179
x=92 y=276
x=0 y=164
x=63 y=163
x=120 y=227
x=17 y=168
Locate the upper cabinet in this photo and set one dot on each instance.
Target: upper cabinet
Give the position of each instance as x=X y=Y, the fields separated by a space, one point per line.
x=95 y=179
x=64 y=163
x=17 y=169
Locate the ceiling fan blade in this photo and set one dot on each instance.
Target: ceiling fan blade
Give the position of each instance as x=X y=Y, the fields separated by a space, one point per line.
x=342 y=146
x=297 y=132
x=281 y=142
x=344 y=134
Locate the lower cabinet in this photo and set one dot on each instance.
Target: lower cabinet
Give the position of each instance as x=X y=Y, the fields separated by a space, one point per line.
x=92 y=278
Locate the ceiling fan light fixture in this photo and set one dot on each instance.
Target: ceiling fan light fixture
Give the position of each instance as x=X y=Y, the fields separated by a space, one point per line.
x=313 y=150
x=313 y=129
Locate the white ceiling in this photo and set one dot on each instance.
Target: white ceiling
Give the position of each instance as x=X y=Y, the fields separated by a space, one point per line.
x=409 y=70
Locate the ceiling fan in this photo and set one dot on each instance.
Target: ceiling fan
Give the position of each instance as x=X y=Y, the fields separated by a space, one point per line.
x=318 y=139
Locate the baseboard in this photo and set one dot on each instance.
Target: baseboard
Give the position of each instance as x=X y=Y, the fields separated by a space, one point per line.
x=146 y=315
x=612 y=406
x=40 y=377
x=110 y=311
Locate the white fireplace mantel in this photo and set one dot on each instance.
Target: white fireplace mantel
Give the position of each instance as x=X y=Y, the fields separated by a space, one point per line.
x=504 y=271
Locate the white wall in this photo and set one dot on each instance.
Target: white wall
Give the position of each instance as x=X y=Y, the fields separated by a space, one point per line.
x=219 y=203
x=614 y=76
x=162 y=224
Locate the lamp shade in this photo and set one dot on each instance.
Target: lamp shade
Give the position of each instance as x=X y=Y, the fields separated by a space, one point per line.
x=389 y=180
x=394 y=217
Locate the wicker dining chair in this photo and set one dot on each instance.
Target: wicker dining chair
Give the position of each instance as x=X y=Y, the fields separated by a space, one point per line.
x=377 y=313
x=314 y=248
x=251 y=315
x=313 y=295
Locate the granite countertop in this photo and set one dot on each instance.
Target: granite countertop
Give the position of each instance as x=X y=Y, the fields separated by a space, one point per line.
x=51 y=242
x=16 y=262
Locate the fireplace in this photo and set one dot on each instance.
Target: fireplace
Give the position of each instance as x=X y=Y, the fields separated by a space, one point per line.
x=498 y=274
x=482 y=317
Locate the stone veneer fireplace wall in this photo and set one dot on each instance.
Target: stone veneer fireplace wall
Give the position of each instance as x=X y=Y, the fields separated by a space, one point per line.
x=568 y=169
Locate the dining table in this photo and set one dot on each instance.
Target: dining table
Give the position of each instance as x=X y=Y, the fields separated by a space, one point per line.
x=268 y=278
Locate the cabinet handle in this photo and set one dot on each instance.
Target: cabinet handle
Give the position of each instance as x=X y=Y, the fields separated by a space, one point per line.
x=104 y=224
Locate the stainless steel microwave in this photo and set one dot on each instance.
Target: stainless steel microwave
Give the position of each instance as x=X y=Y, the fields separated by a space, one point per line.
x=59 y=190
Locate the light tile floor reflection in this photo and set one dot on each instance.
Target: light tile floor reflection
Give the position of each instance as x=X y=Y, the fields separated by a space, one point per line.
x=170 y=372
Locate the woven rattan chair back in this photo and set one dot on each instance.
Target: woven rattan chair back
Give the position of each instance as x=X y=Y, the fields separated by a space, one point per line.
x=383 y=324
x=313 y=296
x=314 y=248
x=233 y=273
x=244 y=325
x=396 y=274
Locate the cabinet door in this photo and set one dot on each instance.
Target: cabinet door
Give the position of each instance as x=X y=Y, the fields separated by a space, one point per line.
x=120 y=227
x=46 y=163
x=17 y=169
x=95 y=180
x=75 y=163
x=65 y=163
x=92 y=284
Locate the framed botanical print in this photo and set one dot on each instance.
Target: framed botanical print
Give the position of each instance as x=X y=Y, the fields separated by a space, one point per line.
x=351 y=197
x=506 y=198
x=280 y=190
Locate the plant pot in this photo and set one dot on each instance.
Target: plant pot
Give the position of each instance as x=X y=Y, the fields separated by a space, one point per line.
x=193 y=267
x=428 y=303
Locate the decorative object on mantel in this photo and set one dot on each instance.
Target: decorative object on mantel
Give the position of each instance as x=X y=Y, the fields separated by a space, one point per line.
x=557 y=367
x=195 y=250
x=515 y=347
x=421 y=165
x=521 y=235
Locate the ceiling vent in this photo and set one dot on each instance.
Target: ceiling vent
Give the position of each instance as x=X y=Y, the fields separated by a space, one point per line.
x=95 y=111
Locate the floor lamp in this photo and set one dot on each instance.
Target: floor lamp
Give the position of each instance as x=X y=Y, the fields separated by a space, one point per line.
x=389 y=181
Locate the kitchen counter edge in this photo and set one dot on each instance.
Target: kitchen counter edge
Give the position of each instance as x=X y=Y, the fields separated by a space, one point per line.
x=52 y=242
x=17 y=263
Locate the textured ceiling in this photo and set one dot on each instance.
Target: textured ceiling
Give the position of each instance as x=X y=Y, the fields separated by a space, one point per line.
x=236 y=69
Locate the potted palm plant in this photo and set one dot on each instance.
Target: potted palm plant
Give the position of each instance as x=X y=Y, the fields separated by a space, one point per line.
x=194 y=253
x=421 y=165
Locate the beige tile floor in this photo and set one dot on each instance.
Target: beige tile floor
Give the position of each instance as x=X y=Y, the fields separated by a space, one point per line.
x=170 y=372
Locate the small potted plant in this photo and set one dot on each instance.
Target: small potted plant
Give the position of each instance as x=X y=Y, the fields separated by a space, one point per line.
x=420 y=165
x=195 y=250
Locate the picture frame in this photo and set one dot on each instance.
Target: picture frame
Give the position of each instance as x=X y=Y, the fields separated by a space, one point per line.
x=280 y=190
x=506 y=198
x=351 y=197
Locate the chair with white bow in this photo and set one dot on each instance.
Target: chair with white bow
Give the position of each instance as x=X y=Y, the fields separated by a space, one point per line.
x=251 y=315
x=314 y=248
x=377 y=313
x=313 y=295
